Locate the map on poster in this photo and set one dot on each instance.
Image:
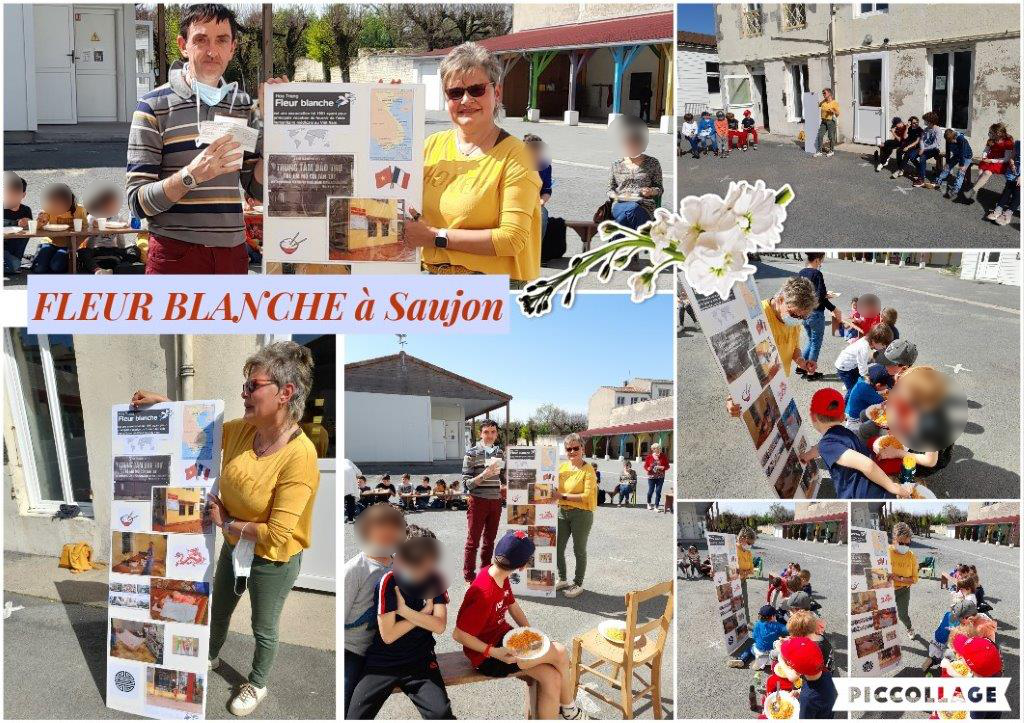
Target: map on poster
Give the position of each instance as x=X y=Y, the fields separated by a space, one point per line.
x=332 y=149
x=725 y=573
x=741 y=341
x=876 y=647
x=161 y=547
x=532 y=474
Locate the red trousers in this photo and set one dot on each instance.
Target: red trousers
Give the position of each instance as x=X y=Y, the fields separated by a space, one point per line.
x=483 y=517
x=170 y=256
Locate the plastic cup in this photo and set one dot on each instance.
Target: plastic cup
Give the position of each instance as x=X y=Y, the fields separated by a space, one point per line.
x=101 y=224
x=33 y=225
x=77 y=223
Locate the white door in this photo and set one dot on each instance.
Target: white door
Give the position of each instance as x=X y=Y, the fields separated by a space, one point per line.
x=437 y=445
x=988 y=266
x=871 y=90
x=55 y=66
x=452 y=439
x=143 y=57
x=317 y=571
x=96 y=64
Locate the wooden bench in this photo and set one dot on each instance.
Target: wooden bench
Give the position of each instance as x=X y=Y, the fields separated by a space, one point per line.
x=585 y=230
x=457 y=670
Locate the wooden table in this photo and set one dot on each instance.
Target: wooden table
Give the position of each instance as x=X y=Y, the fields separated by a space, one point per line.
x=75 y=238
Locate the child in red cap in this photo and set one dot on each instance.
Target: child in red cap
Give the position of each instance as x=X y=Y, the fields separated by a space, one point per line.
x=854 y=474
x=818 y=693
x=749 y=129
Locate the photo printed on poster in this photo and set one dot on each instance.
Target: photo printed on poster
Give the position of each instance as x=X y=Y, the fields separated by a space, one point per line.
x=532 y=481
x=165 y=460
x=876 y=647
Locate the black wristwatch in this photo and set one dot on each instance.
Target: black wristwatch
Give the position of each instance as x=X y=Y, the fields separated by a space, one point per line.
x=441 y=238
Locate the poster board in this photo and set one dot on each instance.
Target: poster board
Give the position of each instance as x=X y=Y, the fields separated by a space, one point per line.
x=876 y=648
x=343 y=163
x=725 y=572
x=812 y=121
x=165 y=459
x=532 y=474
x=742 y=344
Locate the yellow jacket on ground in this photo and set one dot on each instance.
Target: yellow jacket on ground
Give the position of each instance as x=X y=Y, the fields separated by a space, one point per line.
x=499 y=190
x=903 y=565
x=276 y=491
x=578 y=480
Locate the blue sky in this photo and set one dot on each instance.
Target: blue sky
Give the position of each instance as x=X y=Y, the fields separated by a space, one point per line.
x=560 y=358
x=696 y=17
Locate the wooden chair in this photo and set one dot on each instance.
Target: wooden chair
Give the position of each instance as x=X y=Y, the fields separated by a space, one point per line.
x=627 y=659
x=759 y=567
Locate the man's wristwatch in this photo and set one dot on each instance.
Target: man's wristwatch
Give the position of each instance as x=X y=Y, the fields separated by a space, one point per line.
x=187 y=179
x=441 y=238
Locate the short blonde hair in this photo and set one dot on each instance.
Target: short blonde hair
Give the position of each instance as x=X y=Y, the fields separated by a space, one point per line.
x=573 y=437
x=802 y=623
x=799 y=292
x=901 y=529
x=467 y=57
x=286 y=362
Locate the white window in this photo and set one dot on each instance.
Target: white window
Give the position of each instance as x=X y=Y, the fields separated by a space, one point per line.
x=797 y=85
x=41 y=380
x=738 y=88
x=950 y=85
x=714 y=79
x=862 y=9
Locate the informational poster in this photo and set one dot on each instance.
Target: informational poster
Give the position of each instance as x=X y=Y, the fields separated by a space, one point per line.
x=876 y=648
x=725 y=573
x=165 y=461
x=812 y=121
x=741 y=342
x=344 y=163
x=532 y=474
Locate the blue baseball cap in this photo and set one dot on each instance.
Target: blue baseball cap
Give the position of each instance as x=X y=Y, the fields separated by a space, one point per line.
x=767 y=611
x=878 y=374
x=516 y=547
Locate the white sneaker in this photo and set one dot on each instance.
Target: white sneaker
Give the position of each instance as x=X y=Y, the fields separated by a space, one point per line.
x=248 y=697
x=879 y=168
x=1005 y=217
x=648 y=506
x=573 y=591
x=896 y=174
x=994 y=214
x=830 y=154
x=213 y=663
x=574 y=713
x=819 y=154
x=562 y=584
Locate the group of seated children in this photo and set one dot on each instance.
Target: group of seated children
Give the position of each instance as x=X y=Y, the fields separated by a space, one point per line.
x=396 y=602
x=916 y=141
x=718 y=135
x=99 y=253
x=408 y=498
x=691 y=565
x=793 y=585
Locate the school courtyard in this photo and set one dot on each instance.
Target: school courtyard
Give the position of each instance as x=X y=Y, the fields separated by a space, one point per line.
x=629 y=549
x=708 y=687
x=65 y=615
x=999 y=572
x=966 y=328
x=842 y=203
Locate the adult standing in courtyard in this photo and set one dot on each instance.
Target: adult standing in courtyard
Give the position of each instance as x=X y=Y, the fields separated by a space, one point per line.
x=656 y=465
x=829 y=108
x=904 y=572
x=577 y=500
x=264 y=506
x=190 y=194
x=481 y=189
x=814 y=324
x=483 y=475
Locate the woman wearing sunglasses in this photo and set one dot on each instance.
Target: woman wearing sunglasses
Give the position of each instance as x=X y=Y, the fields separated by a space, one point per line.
x=577 y=500
x=268 y=482
x=481 y=189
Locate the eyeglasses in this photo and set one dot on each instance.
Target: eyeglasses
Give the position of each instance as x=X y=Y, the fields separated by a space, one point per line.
x=251 y=386
x=475 y=91
x=575 y=448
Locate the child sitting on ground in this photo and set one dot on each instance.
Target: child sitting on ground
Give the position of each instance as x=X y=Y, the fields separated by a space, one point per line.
x=405 y=488
x=767 y=630
x=854 y=474
x=888 y=315
x=804 y=623
x=845 y=330
x=481 y=627
x=867 y=311
x=706 y=133
x=689 y=131
x=105 y=252
x=691 y=563
x=868 y=391
x=59 y=207
x=423 y=493
x=818 y=693
x=749 y=129
x=379 y=529
x=998 y=150
x=722 y=132
x=798 y=598
x=959 y=157
x=1009 y=201
x=441 y=496
x=16 y=213
x=411 y=610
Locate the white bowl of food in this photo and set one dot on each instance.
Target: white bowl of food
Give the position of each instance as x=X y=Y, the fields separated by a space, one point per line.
x=56 y=227
x=781 y=705
x=526 y=643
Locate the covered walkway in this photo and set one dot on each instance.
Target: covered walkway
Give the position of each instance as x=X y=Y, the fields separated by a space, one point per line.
x=628 y=441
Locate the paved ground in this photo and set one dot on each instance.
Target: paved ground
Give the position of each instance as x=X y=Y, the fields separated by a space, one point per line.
x=581 y=155
x=842 y=203
x=950 y=320
x=629 y=549
x=999 y=571
x=708 y=688
x=66 y=615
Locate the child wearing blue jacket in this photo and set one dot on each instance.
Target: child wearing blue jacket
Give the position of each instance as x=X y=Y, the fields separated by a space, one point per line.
x=767 y=630
x=958 y=160
x=706 y=132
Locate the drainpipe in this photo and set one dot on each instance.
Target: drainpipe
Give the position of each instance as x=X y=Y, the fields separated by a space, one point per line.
x=186 y=369
x=832 y=47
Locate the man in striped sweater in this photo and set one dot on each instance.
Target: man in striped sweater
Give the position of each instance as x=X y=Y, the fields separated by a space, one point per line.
x=483 y=474
x=190 y=194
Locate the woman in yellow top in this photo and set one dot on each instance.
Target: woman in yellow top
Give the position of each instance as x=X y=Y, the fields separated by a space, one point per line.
x=745 y=562
x=829 y=112
x=268 y=483
x=481 y=189
x=577 y=500
x=904 y=571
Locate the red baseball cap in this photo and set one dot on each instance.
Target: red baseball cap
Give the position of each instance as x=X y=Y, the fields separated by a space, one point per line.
x=802 y=655
x=980 y=654
x=829 y=402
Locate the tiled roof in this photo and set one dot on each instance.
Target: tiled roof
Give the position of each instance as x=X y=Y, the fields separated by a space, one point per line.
x=685 y=37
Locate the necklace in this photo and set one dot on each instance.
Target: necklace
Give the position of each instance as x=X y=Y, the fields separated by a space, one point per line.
x=261 y=452
x=471 y=149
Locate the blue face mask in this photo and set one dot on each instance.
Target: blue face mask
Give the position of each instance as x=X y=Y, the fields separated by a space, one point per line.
x=212 y=95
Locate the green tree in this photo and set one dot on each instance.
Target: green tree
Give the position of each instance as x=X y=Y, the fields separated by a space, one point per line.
x=320 y=44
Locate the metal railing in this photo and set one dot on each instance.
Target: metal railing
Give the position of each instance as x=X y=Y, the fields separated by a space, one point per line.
x=753 y=23
x=794 y=16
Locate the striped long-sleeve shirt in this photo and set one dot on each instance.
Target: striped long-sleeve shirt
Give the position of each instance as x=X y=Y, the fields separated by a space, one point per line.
x=161 y=142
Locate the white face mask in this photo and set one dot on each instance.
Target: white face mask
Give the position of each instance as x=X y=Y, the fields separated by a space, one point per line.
x=790 y=320
x=902 y=549
x=241 y=562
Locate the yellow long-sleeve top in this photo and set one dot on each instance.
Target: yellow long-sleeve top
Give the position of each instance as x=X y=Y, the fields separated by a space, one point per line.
x=275 y=491
x=499 y=190
x=787 y=338
x=66 y=219
x=574 y=480
x=744 y=559
x=829 y=109
x=904 y=565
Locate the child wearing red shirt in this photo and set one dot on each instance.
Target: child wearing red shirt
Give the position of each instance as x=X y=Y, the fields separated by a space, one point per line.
x=866 y=317
x=481 y=627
